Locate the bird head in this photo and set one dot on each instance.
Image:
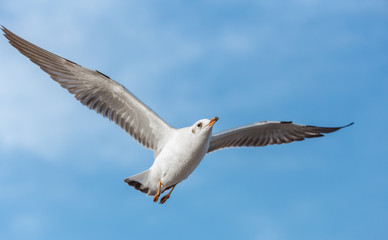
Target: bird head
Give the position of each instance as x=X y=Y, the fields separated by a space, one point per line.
x=203 y=126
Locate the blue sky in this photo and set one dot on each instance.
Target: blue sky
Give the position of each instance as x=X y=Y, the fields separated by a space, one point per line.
x=314 y=62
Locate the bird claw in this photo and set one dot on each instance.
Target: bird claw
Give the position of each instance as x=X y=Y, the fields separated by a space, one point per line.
x=156 y=197
x=164 y=199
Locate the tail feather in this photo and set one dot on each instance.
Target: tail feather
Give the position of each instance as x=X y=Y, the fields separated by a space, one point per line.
x=137 y=182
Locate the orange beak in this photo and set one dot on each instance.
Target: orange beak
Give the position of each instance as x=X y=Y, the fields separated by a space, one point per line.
x=212 y=121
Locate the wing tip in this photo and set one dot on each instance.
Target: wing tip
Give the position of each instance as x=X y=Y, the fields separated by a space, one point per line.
x=332 y=128
x=348 y=125
x=6 y=32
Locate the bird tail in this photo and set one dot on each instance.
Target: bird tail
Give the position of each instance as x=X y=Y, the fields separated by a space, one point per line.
x=137 y=181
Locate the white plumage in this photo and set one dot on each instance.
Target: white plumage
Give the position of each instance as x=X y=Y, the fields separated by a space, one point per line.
x=177 y=152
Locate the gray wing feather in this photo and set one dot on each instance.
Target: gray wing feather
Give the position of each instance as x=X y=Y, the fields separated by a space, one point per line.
x=100 y=93
x=266 y=133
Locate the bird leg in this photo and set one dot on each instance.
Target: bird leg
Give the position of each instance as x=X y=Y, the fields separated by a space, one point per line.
x=165 y=197
x=156 y=197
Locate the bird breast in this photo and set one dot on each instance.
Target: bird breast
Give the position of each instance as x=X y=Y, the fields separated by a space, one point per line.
x=180 y=156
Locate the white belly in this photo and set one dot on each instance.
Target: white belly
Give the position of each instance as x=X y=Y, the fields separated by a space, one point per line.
x=178 y=159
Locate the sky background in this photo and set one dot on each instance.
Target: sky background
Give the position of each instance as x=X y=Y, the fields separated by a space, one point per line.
x=314 y=62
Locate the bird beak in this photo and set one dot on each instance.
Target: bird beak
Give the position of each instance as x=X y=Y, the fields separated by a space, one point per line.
x=212 y=121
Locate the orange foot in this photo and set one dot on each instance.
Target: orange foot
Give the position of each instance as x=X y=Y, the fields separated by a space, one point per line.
x=156 y=197
x=165 y=197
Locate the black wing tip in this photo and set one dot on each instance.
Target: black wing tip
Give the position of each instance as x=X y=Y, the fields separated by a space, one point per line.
x=348 y=125
x=334 y=129
x=291 y=122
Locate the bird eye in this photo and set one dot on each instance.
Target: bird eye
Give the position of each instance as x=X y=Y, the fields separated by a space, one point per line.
x=199 y=125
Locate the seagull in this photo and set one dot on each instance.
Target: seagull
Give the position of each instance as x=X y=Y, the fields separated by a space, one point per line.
x=177 y=152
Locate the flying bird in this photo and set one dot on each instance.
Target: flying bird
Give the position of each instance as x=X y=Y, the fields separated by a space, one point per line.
x=177 y=152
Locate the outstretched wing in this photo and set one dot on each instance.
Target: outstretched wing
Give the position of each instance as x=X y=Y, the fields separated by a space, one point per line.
x=100 y=93
x=266 y=133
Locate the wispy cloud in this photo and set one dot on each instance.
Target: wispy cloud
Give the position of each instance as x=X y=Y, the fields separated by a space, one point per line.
x=151 y=51
x=311 y=61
